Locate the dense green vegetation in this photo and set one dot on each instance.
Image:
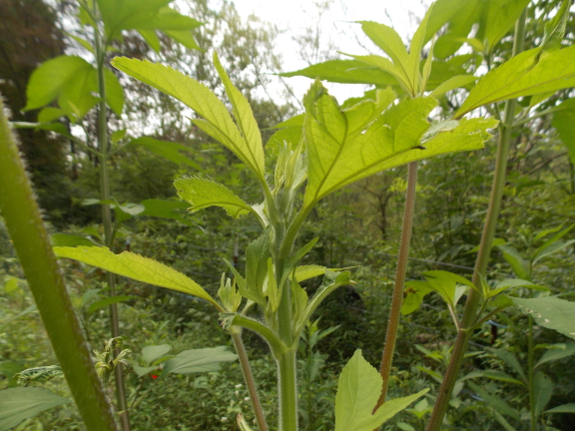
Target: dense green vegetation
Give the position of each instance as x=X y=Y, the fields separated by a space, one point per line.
x=474 y=303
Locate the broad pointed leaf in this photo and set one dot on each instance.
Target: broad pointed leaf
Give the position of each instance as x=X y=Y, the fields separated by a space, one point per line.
x=136 y=267
x=217 y=121
x=151 y=353
x=501 y=18
x=388 y=40
x=521 y=76
x=358 y=390
x=17 y=404
x=565 y=408
x=202 y=193
x=564 y=122
x=199 y=360
x=551 y=312
x=554 y=355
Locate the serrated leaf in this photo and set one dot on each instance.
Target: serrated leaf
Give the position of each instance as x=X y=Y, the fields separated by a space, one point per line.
x=18 y=404
x=167 y=150
x=199 y=360
x=245 y=119
x=136 y=267
x=554 y=355
x=345 y=72
x=358 y=389
x=202 y=193
x=551 y=312
x=523 y=76
x=217 y=121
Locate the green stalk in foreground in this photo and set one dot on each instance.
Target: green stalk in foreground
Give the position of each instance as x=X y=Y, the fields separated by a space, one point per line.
x=100 y=51
x=395 y=311
x=470 y=310
x=26 y=229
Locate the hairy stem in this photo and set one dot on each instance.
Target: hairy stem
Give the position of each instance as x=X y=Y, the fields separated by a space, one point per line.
x=26 y=229
x=100 y=50
x=473 y=298
x=393 y=325
x=249 y=378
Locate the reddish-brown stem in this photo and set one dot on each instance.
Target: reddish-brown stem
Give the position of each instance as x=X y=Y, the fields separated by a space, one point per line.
x=394 y=314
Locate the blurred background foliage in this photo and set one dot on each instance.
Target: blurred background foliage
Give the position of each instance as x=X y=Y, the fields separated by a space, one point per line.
x=358 y=226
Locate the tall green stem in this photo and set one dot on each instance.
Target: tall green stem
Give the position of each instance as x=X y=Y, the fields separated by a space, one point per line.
x=26 y=229
x=395 y=312
x=473 y=298
x=288 y=391
x=100 y=48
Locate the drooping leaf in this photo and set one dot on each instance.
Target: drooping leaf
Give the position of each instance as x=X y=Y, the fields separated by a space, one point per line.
x=523 y=76
x=114 y=92
x=198 y=360
x=167 y=150
x=18 y=404
x=165 y=209
x=358 y=390
x=564 y=122
x=216 y=121
x=137 y=267
x=551 y=312
x=493 y=375
x=202 y=193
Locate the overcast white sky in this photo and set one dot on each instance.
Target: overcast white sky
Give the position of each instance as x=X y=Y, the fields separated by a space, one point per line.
x=293 y=16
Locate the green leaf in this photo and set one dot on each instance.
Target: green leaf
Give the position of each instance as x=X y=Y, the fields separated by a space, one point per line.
x=543 y=388
x=523 y=76
x=198 y=360
x=17 y=404
x=50 y=114
x=509 y=359
x=202 y=193
x=68 y=240
x=165 y=209
x=151 y=353
x=358 y=390
x=563 y=121
x=514 y=258
x=257 y=256
x=183 y=37
x=305 y=272
x=346 y=72
x=413 y=295
x=244 y=119
x=342 y=150
x=501 y=18
x=493 y=375
x=136 y=267
x=50 y=79
x=451 y=84
x=495 y=402
x=554 y=355
x=388 y=40
x=167 y=150
x=551 y=249
x=551 y=312
x=151 y=39
x=216 y=121
x=565 y=408
x=114 y=92
x=117 y=136
x=555 y=28
x=109 y=301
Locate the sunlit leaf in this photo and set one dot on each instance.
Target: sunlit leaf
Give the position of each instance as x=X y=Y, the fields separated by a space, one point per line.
x=202 y=193
x=136 y=267
x=358 y=390
x=551 y=312
x=523 y=76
